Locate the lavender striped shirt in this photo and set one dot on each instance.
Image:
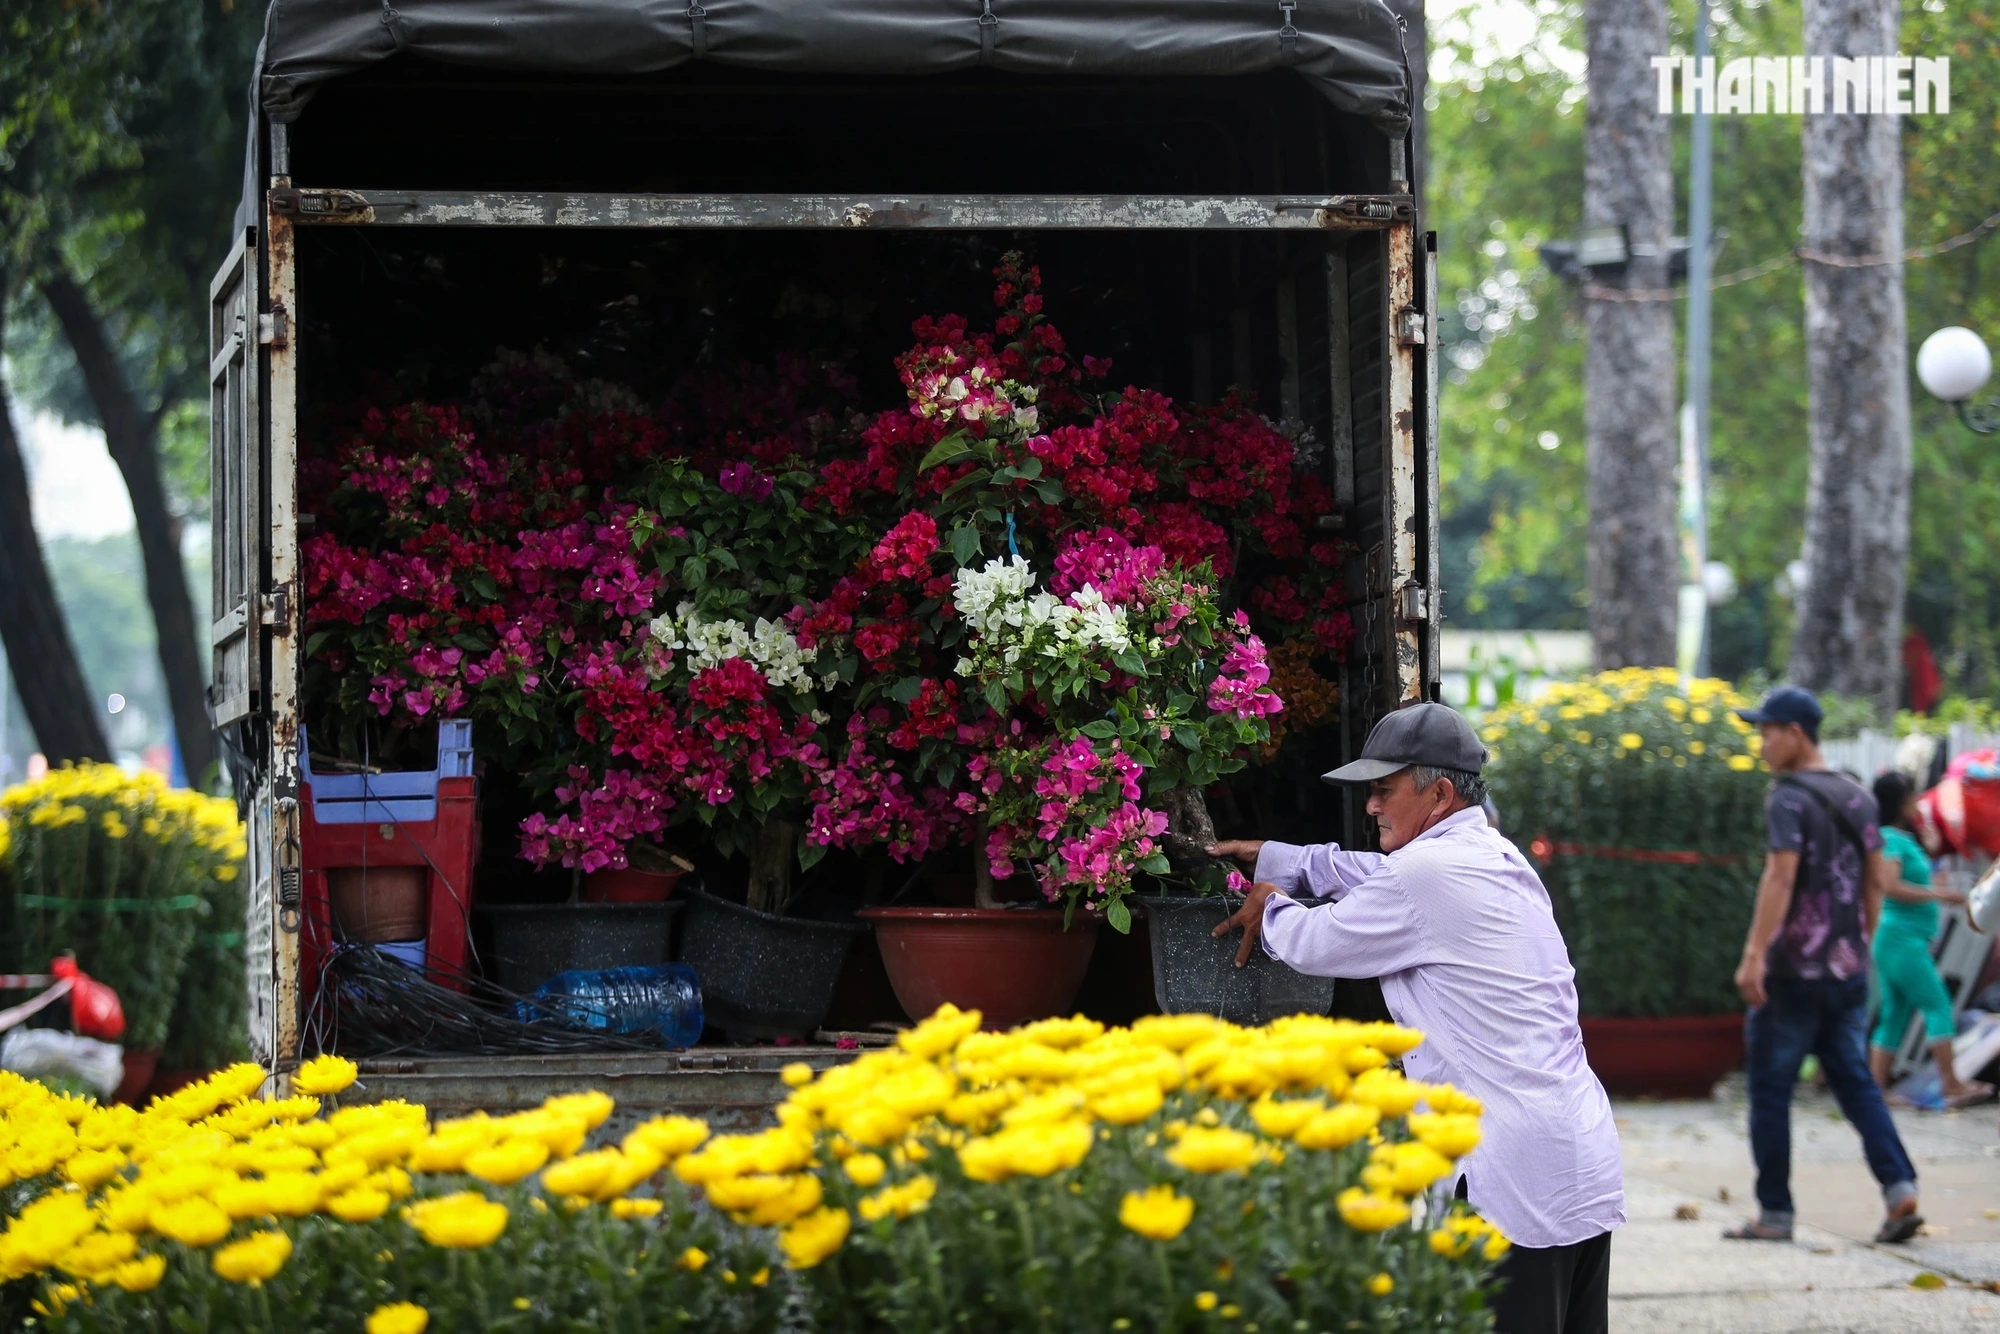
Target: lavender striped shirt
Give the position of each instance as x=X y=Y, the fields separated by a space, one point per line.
x=1459 y=929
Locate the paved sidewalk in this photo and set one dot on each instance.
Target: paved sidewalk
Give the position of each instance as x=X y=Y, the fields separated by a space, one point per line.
x=1671 y=1272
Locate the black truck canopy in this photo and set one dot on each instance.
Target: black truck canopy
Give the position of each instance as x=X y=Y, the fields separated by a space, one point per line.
x=1350 y=51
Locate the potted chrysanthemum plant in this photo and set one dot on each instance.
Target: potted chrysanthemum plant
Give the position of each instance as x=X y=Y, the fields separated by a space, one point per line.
x=1639 y=796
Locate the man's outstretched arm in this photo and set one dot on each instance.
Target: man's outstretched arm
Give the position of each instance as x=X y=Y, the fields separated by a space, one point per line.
x=1316 y=870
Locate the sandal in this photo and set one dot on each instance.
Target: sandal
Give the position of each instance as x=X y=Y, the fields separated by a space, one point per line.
x=1757 y=1232
x=1971 y=1095
x=1895 y=1231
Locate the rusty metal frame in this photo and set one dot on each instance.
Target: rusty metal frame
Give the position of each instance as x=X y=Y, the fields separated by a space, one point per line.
x=467 y=208
x=275 y=821
x=1404 y=483
x=281 y=609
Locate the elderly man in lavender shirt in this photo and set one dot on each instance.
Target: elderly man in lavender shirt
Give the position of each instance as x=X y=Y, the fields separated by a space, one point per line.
x=1458 y=927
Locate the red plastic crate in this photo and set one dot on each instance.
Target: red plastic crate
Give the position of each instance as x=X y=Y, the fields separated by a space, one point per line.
x=357 y=820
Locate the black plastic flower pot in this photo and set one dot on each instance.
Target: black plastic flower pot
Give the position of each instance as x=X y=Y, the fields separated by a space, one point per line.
x=1195 y=973
x=534 y=942
x=763 y=976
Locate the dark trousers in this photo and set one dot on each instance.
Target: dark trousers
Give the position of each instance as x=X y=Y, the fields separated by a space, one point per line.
x=1827 y=1018
x=1550 y=1289
x=1553 y=1289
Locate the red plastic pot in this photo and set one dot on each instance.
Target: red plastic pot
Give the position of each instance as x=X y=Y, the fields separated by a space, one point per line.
x=140 y=1062
x=629 y=886
x=1679 y=1057
x=1010 y=965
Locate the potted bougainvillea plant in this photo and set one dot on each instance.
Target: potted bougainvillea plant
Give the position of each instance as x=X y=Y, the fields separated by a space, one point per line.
x=1003 y=620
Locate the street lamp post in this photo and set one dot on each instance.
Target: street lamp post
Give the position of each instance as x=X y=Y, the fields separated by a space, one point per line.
x=1953 y=365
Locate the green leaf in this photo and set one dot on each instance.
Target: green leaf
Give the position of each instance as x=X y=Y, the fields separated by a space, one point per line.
x=482 y=584
x=972 y=478
x=694 y=572
x=1129 y=661
x=964 y=543
x=1100 y=729
x=906 y=690
x=1120 y=916
x=1051 y=491
x=316 y=641
x=810 y=854
x=1157 y=864
x=948 y=450
x=1188 y=736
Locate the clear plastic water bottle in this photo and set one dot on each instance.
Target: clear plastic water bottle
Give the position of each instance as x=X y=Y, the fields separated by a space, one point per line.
x=664 y=999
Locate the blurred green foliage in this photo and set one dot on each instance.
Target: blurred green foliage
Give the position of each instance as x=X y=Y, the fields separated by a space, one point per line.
x=1506 y=173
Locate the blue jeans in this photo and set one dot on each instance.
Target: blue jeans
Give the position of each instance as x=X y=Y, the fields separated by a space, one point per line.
x=1827 y=1018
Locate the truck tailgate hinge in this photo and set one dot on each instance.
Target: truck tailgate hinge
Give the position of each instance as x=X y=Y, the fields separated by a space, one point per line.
x=1376 y=208
x=271 y=328
x=276 y=612
x=1410 y=327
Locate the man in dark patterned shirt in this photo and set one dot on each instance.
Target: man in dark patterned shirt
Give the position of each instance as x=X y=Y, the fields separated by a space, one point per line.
x=1805 y=965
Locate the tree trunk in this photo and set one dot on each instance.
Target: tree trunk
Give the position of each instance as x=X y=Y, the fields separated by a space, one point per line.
x=772 y=859
x=1631 y=448
x=60 y=707
x=1848 y=634
x=132 y=435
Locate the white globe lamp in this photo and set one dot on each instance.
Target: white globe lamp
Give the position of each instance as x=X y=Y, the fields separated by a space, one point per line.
x=1954 y=364
x=1718 y=581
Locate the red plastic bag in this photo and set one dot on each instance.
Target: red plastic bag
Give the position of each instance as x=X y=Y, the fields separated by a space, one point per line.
x=94 y=1009
x=1962 y=814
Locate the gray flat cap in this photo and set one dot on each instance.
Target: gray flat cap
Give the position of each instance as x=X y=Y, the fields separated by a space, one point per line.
x=1427 y=734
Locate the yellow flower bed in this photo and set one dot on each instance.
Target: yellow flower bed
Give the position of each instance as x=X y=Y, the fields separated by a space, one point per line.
x=1181 y=1174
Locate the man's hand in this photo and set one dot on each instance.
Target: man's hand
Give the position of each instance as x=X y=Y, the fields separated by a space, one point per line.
x=1244 y=850
x=1750 y=980
x=1250 y=917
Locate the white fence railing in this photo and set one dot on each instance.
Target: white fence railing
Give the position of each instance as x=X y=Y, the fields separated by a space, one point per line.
x=1870 y=753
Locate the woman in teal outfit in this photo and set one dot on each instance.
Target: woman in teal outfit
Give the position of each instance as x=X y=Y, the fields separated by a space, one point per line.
x=1905 y=976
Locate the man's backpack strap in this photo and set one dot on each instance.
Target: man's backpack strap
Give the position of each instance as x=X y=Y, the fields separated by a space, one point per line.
x=1838 y=816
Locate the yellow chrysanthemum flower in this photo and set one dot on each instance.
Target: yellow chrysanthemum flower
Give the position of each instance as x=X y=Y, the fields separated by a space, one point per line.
x=1157 y=1213
x=464 y=1221
x=809 y=1240
x=1368 y=1211
x=323 y=1075
x=398 y=1318
x=253 y=1259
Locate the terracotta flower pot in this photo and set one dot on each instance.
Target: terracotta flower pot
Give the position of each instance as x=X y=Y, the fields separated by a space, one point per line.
x=140 y=1062
x=376 y=904
x=1675 y=1057
x=627 y=885
x=1011 y=965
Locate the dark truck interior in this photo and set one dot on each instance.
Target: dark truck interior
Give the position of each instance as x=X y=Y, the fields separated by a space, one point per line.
x=1294 y=319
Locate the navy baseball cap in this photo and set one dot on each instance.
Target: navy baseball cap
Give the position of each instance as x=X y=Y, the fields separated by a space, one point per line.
x=1786 y=704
